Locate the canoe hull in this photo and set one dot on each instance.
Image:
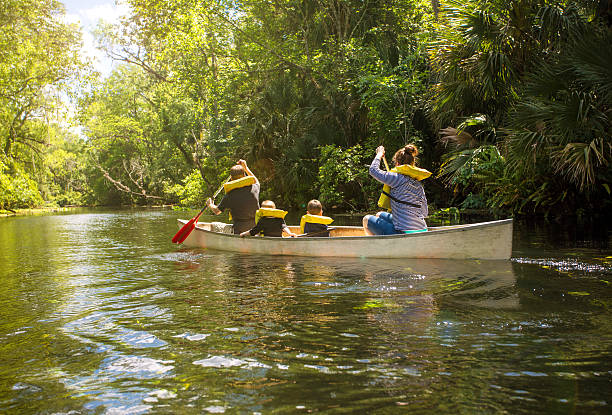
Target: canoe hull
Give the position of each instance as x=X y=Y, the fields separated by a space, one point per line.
x=487 y=240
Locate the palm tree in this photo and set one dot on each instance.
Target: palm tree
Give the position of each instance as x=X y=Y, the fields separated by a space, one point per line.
x=564 y=119
x=530 y=78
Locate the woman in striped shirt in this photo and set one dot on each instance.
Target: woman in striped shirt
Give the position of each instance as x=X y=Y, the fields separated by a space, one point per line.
x=408 y=201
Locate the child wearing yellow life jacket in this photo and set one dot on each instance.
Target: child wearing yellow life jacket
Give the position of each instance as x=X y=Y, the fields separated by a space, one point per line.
x=269 y=221
x=314 y=223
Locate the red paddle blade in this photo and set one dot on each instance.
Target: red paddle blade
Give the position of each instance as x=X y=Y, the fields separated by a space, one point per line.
x=186 y=234
x=182 y=233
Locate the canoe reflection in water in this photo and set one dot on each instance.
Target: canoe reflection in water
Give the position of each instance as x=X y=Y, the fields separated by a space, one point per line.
x=382 y=323
x=287 y=287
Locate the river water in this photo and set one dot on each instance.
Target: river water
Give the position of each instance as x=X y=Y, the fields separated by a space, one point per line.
x=100 y=313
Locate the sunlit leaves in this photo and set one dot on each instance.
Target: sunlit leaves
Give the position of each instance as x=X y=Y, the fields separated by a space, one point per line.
x=38 y=53
x=17 y=189
x=38 y=57
x=343 y=173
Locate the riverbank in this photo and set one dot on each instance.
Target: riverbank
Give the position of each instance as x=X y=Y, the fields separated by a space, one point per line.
x=35 y=211
x=56 y=209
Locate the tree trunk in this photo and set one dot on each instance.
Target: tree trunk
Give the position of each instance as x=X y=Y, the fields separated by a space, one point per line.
x=435 y=5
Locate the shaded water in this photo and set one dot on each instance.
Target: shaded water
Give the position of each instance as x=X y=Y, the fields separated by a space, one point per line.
x=99 y=313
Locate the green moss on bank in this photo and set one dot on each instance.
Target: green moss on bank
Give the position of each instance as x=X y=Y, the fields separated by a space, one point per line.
x=35 y=211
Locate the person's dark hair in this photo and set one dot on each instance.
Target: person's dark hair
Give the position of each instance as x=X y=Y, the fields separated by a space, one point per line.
x=314 y=207
x=236 y=172
x=406 y=155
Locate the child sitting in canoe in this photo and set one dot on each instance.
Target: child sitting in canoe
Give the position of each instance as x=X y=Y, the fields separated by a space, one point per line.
x=314 y=223
x=269 y=221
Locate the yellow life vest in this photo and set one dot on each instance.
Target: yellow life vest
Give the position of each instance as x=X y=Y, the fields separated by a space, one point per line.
x=308 y=218
x=235 y=184
x=269 y=213
x=407 y=170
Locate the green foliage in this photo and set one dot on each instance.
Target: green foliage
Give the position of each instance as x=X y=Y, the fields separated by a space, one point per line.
x=474 y=201
x=39 y=53
x=392 y=96
x=71 y=198
x=472 y=170
x=39 y=57
x=270 y=84
x=446 y=214
x=343 y=178
x=64 y=179
x=533 y=80
x=17 y=189
x=191 y=193
x=511 y=99
x=132 y=154
x=563 y=120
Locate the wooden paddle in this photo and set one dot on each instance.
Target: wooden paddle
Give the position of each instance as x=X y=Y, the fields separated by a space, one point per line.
x=385 y=161
x=315 y=233
x=186 y=229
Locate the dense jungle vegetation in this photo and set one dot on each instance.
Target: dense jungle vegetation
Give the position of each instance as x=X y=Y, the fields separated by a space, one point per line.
x=509 y=101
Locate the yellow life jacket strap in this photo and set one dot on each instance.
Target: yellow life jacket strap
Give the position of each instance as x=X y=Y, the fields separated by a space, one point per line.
x=238 y=183
x=407 y=170
x=412 y=171
x=384 y=201
x=269 y=213
x=308 y=218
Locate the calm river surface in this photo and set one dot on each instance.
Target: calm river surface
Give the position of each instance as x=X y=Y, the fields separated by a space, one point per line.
x=100 y=313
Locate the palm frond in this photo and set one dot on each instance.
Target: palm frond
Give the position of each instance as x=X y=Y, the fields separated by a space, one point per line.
x=455 y=138
x=453 y=163
x=559 y=24
x=590 y=62
x=579 y=161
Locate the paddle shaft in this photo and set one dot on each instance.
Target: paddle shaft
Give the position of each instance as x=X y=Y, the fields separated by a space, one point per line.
x=316 y=233
x=385 y=161
x=186 y=229
x=213 y=198
x=220 y=188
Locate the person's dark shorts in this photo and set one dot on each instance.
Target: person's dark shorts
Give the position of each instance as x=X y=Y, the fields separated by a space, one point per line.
x=243 y=225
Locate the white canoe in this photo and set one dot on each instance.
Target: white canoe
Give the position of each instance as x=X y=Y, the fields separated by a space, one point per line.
x=485 y=240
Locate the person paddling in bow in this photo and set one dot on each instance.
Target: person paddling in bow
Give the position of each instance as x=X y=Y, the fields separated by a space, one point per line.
x=403 y=194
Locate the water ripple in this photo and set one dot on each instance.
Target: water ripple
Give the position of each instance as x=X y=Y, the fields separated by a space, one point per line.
x=565 y=265
x=100 y=313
